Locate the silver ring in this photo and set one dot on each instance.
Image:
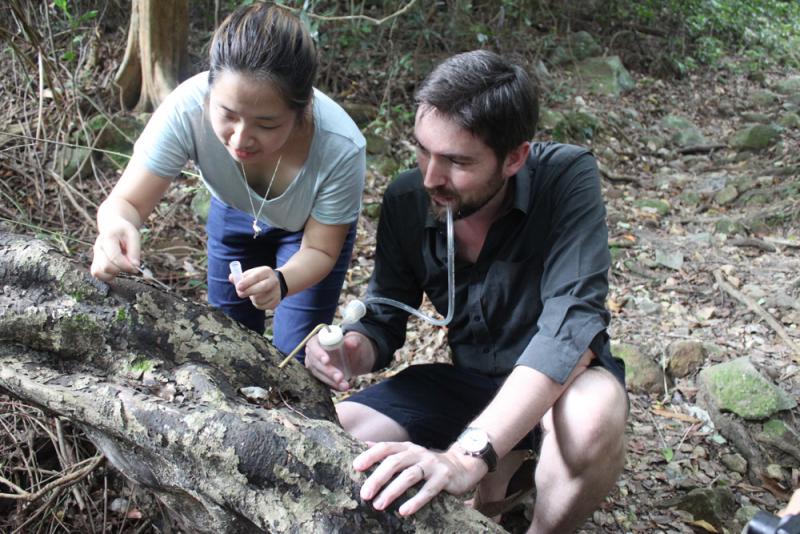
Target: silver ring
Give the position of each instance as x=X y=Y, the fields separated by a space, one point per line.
x=421 y=470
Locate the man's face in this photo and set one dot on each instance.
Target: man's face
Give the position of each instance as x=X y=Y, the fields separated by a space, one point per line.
x=458 y=168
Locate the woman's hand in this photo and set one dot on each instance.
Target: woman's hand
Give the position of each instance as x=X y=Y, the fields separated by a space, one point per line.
x=358 y=350
x=261 y=286
x=116 y=249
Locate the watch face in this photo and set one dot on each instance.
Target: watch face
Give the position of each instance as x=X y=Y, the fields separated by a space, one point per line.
x=473 y=440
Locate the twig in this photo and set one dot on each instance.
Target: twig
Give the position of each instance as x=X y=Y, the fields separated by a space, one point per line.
x=700 y=149
x=68 y=191
x=620 y=178
x=360 y=17
x=65 y=480
x=761 y=312
x=752 y=242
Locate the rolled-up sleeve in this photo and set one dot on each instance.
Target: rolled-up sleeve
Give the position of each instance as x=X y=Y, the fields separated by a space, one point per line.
x=574 y=282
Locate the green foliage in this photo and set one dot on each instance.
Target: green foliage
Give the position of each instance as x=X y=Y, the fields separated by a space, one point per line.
x=702 y=32
x=75 y=25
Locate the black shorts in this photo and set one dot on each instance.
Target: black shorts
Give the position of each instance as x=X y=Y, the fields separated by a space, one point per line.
x=435 y=402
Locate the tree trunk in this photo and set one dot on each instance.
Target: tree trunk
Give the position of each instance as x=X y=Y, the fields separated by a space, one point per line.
x=155 y=57
x=156 y=382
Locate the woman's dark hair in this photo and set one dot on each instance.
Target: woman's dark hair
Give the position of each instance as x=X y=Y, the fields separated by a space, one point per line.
x=269 y=43
x=486 y=95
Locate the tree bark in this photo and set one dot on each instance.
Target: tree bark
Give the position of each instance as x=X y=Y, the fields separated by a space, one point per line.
x=155 y=56
x=156 y=382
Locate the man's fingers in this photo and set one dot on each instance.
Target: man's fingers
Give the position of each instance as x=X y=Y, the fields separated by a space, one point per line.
x=405 y=479
x=430 y=490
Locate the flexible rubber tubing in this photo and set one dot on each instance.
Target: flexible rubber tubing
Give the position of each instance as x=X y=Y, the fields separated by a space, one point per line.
x=451 y=284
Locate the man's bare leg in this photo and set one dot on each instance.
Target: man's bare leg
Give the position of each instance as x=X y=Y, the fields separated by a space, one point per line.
x=582 y=454
x=367 y=424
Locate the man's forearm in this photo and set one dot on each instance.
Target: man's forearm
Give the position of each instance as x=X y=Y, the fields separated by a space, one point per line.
x=521 y=403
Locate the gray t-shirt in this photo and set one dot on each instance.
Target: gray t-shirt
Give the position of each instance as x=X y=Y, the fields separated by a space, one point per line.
x=328 y=187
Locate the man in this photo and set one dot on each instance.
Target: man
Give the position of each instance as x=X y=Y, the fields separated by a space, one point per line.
x=528 y=335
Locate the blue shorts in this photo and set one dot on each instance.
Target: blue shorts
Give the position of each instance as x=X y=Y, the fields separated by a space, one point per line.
x=230 y=237
x=435 y=402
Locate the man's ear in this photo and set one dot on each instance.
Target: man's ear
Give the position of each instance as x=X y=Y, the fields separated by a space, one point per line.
x=516 y=159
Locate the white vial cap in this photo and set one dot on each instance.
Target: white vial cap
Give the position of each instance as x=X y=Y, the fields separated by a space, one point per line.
x=330 y=336
x=353 y=311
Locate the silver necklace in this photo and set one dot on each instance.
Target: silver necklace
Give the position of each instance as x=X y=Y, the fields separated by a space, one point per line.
x=256 y=228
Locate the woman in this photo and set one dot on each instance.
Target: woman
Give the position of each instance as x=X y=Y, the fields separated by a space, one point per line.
x=284 y=164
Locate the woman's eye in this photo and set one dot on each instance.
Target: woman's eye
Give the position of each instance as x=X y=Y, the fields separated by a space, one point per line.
x=263 y=127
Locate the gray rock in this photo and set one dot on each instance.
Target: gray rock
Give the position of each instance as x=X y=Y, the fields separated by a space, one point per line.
x=726 y=195
x=583 y=45
x=757 y=137
x=605 y=75
x=684 y=132
x=789 y=86
x=685 y=357
x=789 y=120
x=670 y=259
x=736 y=386
x=642 y=374
x=729 y=227
x=714 y=505
x=764 y=98
x=735 y=462
x=755 y=117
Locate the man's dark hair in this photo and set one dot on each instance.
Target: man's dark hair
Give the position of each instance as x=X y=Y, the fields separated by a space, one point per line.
x=488 y=96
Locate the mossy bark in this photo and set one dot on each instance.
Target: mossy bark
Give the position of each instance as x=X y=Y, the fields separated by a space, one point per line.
x=154 y=380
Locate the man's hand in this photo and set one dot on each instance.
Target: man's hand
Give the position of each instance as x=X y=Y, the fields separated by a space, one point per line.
x=793 y=508
x=261 y=286
x=402 y=465
x=358 y=350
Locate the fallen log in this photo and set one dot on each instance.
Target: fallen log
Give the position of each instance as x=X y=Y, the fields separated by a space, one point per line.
x=156 y=383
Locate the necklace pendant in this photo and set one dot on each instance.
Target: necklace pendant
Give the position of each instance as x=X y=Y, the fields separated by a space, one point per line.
x=256 y=229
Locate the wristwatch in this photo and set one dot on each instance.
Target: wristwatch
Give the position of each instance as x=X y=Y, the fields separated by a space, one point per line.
x=475 y=442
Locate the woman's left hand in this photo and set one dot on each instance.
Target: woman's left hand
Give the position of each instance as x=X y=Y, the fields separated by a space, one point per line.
x=261 y=286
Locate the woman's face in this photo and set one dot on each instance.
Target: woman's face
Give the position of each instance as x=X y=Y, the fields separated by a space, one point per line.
x=249 y=117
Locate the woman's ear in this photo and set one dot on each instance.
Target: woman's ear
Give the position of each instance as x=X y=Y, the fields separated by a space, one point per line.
x=516 y=158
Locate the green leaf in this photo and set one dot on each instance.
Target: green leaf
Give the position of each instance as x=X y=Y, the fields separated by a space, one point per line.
x=668 y=453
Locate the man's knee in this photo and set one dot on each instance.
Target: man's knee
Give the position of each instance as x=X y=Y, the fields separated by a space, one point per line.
x=367 y=424
x=590 y=418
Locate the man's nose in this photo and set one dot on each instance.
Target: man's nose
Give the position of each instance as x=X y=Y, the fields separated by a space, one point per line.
x=434 y=173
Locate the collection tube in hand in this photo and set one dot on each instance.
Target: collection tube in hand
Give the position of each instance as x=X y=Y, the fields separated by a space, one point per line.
x=331 y=338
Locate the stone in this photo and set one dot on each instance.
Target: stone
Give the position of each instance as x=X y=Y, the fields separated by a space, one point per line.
x=655 y=205
x=726 y=195
x=729 y=227
x=789 y=120
x=756 y=137
x=764 y=98
x=735 y=462
x=788 y=86
x=201 y=202
x=549 y=119
x=737 y=387
x=755 y=117
x=684 y=132
x=714 y=505
x=605 y=75
x=685 y=357
x=583 y=45
x=642 y=374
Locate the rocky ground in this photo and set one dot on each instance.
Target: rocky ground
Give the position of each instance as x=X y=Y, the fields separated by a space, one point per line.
x=705 y=235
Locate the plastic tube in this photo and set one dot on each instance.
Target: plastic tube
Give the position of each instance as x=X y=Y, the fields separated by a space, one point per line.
x=236 y=271
x=331 y=339
x=451 y=283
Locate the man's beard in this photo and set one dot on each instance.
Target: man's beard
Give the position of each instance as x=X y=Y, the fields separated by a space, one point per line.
x=464 y=207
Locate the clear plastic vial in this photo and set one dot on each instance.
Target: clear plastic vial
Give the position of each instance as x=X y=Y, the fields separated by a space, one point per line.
x=236 y=271
x=331 y=338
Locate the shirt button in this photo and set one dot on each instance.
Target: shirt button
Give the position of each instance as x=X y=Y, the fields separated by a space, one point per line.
x=486 y=350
